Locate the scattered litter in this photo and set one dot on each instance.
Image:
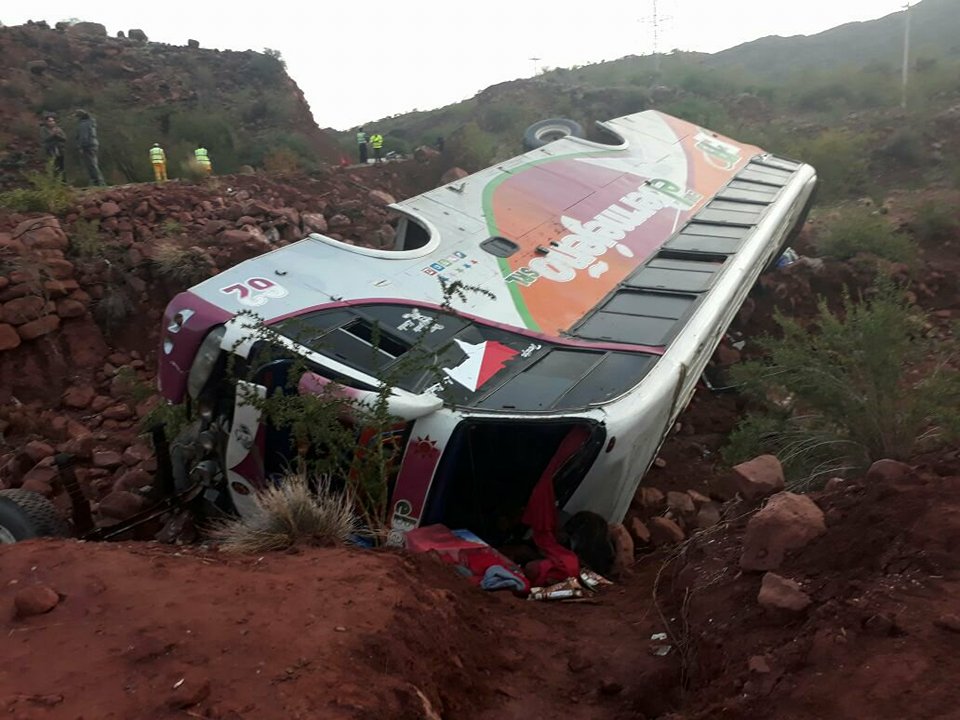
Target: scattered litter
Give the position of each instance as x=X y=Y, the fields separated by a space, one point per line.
x=659 y=645
x=789 y=257
x=178 y=683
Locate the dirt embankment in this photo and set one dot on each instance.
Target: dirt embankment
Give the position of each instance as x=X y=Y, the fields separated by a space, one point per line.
x=82 y=294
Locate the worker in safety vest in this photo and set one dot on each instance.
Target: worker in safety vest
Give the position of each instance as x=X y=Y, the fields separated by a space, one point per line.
x=377 y=141
x=362 y=145
x=203 y=160
x=158 y=158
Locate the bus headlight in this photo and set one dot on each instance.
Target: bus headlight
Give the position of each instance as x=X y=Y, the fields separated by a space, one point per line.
x=204 y=361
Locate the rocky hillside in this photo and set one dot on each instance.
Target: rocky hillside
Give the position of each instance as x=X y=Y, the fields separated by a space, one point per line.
x=241 y=105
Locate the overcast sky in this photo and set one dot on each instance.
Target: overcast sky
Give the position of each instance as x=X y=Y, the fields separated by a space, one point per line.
x=360 y=61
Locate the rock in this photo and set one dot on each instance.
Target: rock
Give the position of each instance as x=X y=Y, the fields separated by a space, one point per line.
x=106 y=459
x=425 y=153
x=452 y=175
x=698 y=497
x=782 y=593
x=121 y=505
x=386 y=235
x=137 y=34
x=650 y=497
x=788 y=522
x=759 y=477
x=639 y=531
x=189 y=694
x=758 y=664
x=707 y=516
x=193 y=44
x=664 y=531
x=35 y=600
x=886 y=471
x=37 y=67
x=78 y=397
x=109 y=209
x=948 y=622
x=136 y=454
x=42 y=233
x=379 y=197
x=681 y=503
x=339 y=221
x=726 y=355
x=35 y=484
x=660 y=463
x=37 y=450
x=120 y=411
x=37 y=328
x=59 y=269
x=23 y=310
x=622 y=549
x=68 y=308
x=133 y=480
x=313 y=223
x=89 y=29
x=834 y=484
x=9 y=338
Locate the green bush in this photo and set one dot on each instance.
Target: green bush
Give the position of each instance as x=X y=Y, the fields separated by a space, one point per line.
x=862 y=386
x=858 y=230
x=841 y=159
x=935 y=222
x=46 y=193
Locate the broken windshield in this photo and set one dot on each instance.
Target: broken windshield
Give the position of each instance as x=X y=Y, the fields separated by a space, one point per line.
x=466 y=363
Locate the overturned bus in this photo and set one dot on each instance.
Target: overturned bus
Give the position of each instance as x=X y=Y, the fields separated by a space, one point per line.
x=606 y=275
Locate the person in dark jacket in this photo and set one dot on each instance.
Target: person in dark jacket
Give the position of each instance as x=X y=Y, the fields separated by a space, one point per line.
x=89 y=146
x=54 y=142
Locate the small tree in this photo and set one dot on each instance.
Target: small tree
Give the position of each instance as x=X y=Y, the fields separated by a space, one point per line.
x=861 y=385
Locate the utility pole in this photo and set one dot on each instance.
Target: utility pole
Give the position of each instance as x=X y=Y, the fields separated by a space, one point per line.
x=535 y=60
x=906 y=57
x=656 y=19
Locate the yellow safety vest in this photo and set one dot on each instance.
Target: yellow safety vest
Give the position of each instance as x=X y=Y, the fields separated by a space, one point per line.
x=157 y=155
x=376 y=141
x=202 y=157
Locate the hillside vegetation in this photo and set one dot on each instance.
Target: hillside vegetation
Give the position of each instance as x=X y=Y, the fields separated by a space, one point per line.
x=832 y=99
x=241 y=105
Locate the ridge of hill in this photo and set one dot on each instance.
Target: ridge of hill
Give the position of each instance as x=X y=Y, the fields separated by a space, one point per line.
x=241 y=105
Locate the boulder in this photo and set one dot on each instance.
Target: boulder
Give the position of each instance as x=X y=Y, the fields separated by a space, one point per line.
x=193 y=44
x=68 y=308
x=313 y=222
x=339 y=221
x=760 y=477
x=9 y=338
x=664 y=531
x=35 y=600
x=78 y=397
x=622 y=549
x=106 y=459
x=781 y=593
x=88 y=29
x=37 y=450
x=121 y=505
x=137 y=34
x=23 y=309
x=41 y=233
x=681 y=503
x=425 y=153
x=707 y=516
x=37 y=67
x=108 y=209
x=650 y=497
x=639 y=531
x=452 y=175
x=37 y=328
x=788 y=522
x=886 y=471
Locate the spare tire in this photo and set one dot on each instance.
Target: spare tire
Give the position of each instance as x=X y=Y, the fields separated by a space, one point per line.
x=25 y=515
x=546 y=131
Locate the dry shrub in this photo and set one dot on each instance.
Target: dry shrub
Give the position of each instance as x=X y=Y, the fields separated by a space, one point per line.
x=289 y=514
x=184 y=266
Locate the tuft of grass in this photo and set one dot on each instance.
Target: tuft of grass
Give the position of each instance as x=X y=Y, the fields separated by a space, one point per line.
x=46 y=192
x=171 y=227
x=864 y=385
x=291 y=513
x=111 y=310
x=85 y=239
x=858 y=230
x=184 y=266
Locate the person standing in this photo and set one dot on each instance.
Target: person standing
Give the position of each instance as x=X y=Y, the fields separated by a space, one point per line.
x=158 y=158
x=376 y=140
x=54 y=142
x=89 y=146
x=203 y=160
x=362 y=146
